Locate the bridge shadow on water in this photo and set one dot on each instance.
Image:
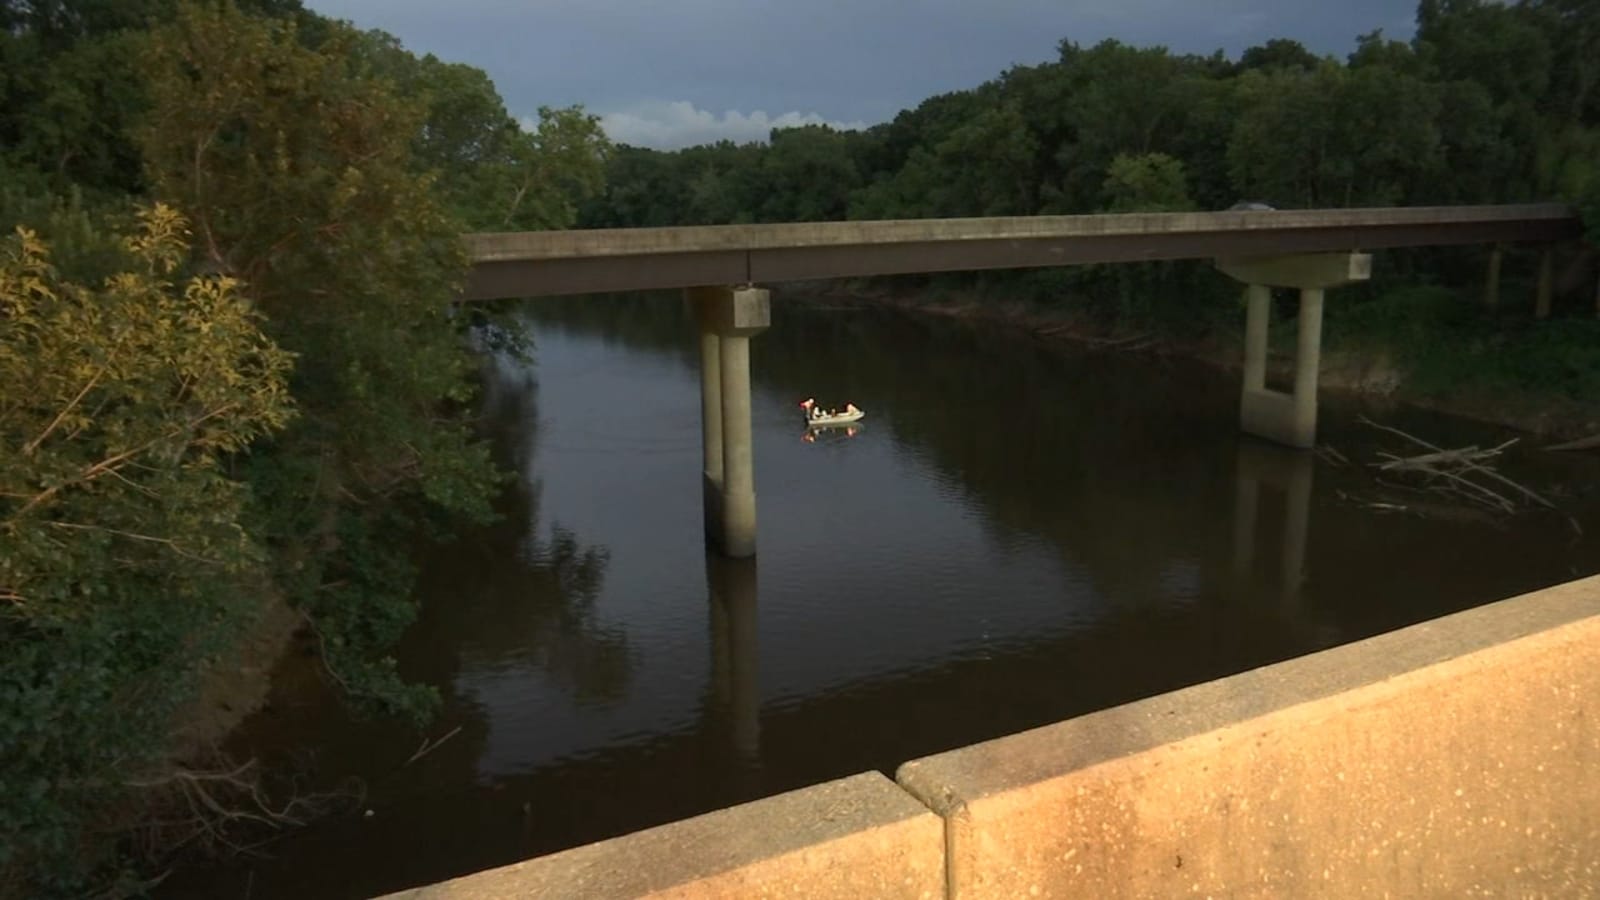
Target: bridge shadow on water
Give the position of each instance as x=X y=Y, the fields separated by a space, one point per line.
x=1020 y=533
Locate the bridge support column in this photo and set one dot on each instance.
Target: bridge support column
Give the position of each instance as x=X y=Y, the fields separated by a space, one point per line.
x=728 y=317
x=1288 y=418
x=711 y=431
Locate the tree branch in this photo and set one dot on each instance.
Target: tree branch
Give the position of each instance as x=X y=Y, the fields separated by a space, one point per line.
x=75 y=526
x=28 y=448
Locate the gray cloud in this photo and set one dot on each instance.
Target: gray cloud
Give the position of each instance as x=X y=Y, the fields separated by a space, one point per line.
x=834 y=60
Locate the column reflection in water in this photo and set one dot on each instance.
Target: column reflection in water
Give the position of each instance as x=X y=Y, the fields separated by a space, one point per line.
x=1289 y=473
x=735 y=660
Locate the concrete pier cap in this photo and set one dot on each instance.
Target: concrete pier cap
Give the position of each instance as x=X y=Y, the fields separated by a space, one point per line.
x=1306 y=271
x=732 y=311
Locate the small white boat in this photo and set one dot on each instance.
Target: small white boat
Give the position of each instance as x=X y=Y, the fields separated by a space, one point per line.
x=816 y=416
x=843 y=418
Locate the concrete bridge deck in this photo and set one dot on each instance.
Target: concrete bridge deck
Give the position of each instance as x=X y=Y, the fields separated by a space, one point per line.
x=548 y=263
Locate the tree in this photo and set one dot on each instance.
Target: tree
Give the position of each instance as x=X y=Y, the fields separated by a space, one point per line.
x=122 y=401
x=297 y=167
x=1278 y=53
x=1122 y=100
x=643 y=188
x=808 y=175
x=1334 y=137
x=493 y=172
x=726 y=182
x=70 y=89
x=989 y=164
x=547 y=173
x=1373 y=50
x=1152 y=182
x=1493 y=44
x=122 y=547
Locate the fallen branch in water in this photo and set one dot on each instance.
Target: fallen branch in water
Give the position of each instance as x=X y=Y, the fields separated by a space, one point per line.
x=430 y=746
x=220 y=808
x=1592 y=442
x=1332 y=455
x=1453 y=471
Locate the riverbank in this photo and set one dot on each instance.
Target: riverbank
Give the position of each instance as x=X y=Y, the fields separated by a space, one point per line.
x=1350 y=366
x=236 y=684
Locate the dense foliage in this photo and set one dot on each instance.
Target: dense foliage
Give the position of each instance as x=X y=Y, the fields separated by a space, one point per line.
x=155 y=491
x=253 y=135
x=123 y=543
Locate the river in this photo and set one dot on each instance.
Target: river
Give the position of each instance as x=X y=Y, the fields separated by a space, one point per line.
x=1019 y=532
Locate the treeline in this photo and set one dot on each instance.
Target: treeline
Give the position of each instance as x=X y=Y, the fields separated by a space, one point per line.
x=232 y=379
x=1489 y=103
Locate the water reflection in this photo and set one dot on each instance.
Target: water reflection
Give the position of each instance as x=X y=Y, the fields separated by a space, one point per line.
x=825 y=434
x=735 y=662
x=1287 y=472
x=516 y=598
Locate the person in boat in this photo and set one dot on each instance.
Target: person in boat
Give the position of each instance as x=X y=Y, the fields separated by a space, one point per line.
x=850 y=409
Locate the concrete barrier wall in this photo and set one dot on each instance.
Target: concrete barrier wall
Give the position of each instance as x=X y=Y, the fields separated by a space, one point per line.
x=1456 y=758
x=853 y=838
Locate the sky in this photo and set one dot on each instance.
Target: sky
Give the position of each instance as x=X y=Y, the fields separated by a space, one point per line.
x=670 y=73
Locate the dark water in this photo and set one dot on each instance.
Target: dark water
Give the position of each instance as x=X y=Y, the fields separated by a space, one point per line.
x=1016 y=535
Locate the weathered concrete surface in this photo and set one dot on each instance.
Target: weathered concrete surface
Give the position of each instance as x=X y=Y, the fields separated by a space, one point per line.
x=519 y=245
x=547 y=263
x=1456 y=758
x=1287 y=418
x=854 y=838
x=728 y=317
x=1303 y=270
x=742 y=311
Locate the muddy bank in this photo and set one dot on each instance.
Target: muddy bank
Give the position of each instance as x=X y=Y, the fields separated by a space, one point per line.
x=237 y=683
x=1373 y=374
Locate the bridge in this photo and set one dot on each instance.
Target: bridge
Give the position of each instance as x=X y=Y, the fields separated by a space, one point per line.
x=721 y=268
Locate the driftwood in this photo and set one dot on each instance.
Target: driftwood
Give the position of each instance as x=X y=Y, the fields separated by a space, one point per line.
x=1464 y=472
x=225 y=808
x=428 y=746
x=1592 y=442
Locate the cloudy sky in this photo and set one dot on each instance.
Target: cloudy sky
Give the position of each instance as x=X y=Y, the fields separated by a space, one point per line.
x=667 y=73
